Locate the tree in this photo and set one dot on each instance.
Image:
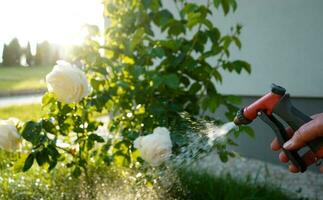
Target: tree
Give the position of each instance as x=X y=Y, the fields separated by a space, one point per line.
x=46 y=54
x=42 y=53
x=29 y=56
x=5 y=55
x=12 y=53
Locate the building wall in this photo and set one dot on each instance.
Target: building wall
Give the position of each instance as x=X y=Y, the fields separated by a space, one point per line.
x=283 y=41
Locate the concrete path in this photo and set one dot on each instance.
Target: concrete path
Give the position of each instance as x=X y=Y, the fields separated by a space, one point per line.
x=304 y=185
x=20 y=100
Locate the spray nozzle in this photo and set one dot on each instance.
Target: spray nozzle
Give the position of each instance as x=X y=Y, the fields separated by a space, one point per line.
x=278 y=102
x=265 y=103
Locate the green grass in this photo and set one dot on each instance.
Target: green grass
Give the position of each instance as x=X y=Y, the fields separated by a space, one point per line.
x=17 y=79
x=200 y=185
x=28 y=112
x=22 y=112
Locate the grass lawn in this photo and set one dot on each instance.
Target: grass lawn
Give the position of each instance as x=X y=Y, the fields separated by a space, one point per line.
x=201 y=185
x=27 y=112
x=17 y=79
x=22 y=112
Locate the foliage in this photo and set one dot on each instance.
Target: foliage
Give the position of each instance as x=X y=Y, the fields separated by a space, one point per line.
x=143 y=79
x=29 y=55
x=11 y=53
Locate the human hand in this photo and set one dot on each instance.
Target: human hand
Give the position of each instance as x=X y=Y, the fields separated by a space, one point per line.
x=306 y=133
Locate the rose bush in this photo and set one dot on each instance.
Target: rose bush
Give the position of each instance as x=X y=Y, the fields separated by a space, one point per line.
x=154 y=65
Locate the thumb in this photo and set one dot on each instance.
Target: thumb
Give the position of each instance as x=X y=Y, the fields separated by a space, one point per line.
x=306 y=133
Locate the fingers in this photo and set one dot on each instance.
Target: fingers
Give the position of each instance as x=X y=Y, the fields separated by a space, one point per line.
x=275 y=143
x=283 y=157
x=309 y=158
x=308 y=132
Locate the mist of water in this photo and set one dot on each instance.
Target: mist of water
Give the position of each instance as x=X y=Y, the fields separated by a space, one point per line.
x=202 y=140
x=215 y=132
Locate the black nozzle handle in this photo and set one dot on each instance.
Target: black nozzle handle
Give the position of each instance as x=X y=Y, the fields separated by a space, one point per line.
x=282 y=137
x=295 y=119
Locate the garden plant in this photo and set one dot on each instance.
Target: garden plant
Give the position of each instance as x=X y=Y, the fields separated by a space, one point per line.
x=151 y=66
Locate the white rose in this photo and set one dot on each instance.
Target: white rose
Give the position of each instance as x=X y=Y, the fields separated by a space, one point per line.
x=67 y=82
x=9 y=138
x=155 y=148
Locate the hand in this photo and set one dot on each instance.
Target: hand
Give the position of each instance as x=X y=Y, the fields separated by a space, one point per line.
x=305 y=134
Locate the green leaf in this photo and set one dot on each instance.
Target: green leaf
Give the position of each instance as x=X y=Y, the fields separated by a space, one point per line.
x=237 y=41
x=225 y=6
x=214 y=102
x=233 y=99
x=223 y=156
x=194 y=19
x=47 y=99
x=216 y=3
x=171 y=80
x=157 y=80
x=42 y=157
x=31 y=132
x=176 y=28
x=52 y=164
x=52 y=151
x=65 y=110
x=207 y=23
x=152 y=4
x=95 y=137
x=162 y=18
x=240 y=64
x=28 y=162
x=214 y=34
x=216 y=74
x=158 y=52
x=190 y=7
x=194 y=88
x=137 y=38
x=157 y=108
x=47 y=125
x=226 y=41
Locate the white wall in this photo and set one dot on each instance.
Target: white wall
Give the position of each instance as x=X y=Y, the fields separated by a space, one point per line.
x=283 y=40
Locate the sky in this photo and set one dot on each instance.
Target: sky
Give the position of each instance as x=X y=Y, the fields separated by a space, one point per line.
x=58 y=21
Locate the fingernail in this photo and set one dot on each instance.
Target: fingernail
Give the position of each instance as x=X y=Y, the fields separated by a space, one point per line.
x=288 y=144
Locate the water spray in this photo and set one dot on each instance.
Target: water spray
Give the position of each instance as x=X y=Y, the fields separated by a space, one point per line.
x=275 y=104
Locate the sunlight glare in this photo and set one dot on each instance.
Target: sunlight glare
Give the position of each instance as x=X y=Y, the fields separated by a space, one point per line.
x=58 y=21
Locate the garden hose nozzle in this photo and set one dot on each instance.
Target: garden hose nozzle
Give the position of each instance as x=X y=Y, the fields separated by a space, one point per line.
x=277 y=103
